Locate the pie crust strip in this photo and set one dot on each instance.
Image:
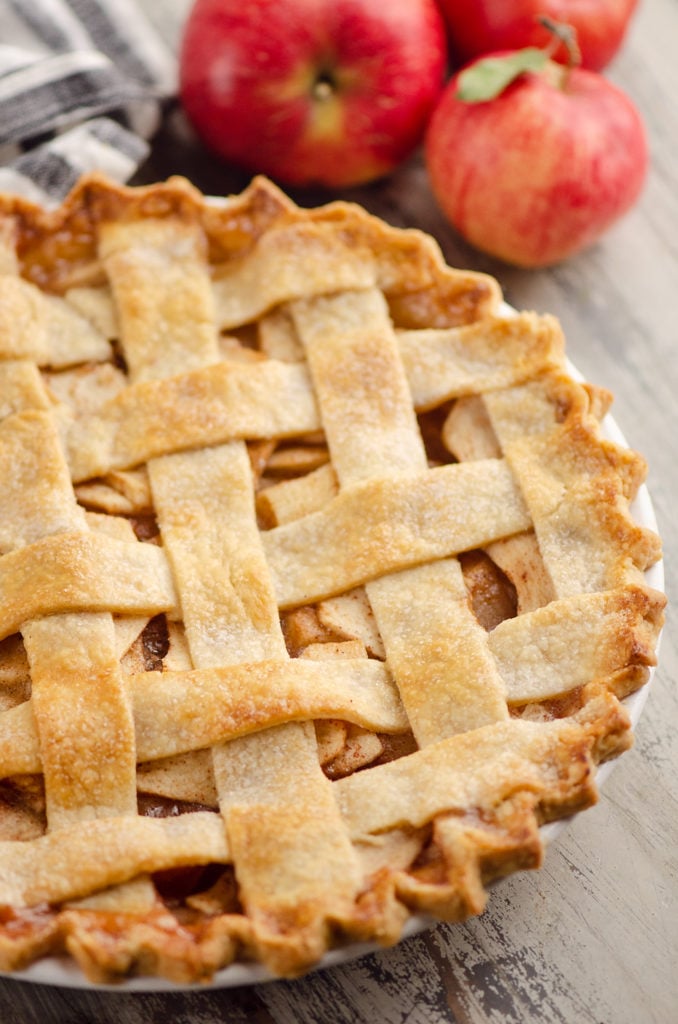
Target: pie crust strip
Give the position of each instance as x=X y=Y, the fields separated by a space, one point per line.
x=233 y=700
x=288 y=869
x=480 y=769
x=564 y=468
x=574 y=641
x=76 y=648
x=83 y=571
x=44 y=328
x=494 y=353
x=290 y=262
x=157 y=417
x=88 y=856
x=437 y=651
x=245 y=697
x=385 y=524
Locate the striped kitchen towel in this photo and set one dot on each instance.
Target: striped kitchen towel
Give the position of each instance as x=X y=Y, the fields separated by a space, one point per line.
x=82 y=87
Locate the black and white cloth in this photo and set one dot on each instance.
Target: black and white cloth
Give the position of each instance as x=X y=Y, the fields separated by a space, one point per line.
x=82 y=87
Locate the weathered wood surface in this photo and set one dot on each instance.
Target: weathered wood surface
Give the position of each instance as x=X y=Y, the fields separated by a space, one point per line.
x=593 y=937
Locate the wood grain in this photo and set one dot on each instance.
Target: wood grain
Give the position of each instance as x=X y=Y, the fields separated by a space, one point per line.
x=592 y=938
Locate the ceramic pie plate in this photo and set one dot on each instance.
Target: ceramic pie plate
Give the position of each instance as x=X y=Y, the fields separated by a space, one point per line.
x=64 y=972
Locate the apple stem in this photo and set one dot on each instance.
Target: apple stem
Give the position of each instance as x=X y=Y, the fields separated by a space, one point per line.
x=562 y=35
x=323 y=88
x=487 y=78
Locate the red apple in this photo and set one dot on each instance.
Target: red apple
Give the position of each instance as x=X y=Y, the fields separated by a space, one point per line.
x=488 y=25
x=541 y=170
x=336 y=92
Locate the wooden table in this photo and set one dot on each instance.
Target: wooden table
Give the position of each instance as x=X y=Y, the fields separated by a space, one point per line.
x=592 y=938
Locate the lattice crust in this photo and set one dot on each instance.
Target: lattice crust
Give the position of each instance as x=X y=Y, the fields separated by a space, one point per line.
x=318 y=582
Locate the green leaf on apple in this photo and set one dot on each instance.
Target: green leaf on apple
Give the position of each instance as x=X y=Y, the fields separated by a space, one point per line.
x=487 y=78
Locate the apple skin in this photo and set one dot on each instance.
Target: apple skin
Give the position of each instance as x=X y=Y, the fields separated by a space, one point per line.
x=488 y=25
x=331 y=92
x=540 y=172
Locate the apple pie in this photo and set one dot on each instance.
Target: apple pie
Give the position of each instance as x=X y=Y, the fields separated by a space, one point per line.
x=320 y=591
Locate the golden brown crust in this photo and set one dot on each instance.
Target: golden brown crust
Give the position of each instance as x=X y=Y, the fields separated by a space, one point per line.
x=272 y=696
x=57 y=246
